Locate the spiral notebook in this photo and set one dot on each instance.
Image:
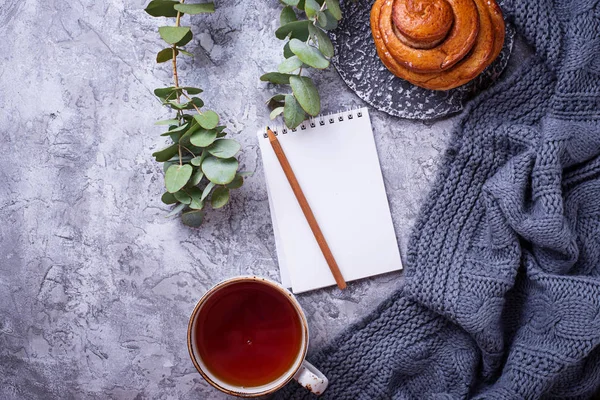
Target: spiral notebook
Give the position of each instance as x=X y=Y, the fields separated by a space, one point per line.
x=336 y=163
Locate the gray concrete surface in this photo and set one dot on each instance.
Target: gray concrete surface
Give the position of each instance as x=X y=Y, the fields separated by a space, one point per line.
x=96 y=285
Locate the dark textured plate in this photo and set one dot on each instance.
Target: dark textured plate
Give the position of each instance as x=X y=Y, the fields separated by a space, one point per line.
x=359 y=66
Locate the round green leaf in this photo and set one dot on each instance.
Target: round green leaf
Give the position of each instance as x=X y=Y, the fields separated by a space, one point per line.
x=196 y=161
x=167 y=122
x=276 y=101
x=306 y=93
x=191 y=90
x=196 y=194
x=220 y=171
x=177 y=176
x=276 y=112
x=323 y=41
x=162 y=8
x=187 y=53
x=311 y=7
x=193 y=218
x=196 y=204
x=165 y=93
x=168 y=198
x=165 y=55
x=333 y=6
x=183 y=197
x=287 y=53
x=276 y=77
x=237 y=182
x=296 y=29
x=175 y=210
x=174 y=136
x=224 y=148
x=193 y=9
x=196 y=101
x=293 y=114
x=173 y=34
x=203 y=137
x=289 y=65
x=287 y=15
x=176 y=129
x=208 y=119
x=329 y=22
x=207 y=190
x=173 y=129
x=166 y=153
x=308 y=54
x=184 y=140
x=290 y=2
x=322 y=19
x=220 y=197
x=176 y=105
x=197 y=177
x=186 y=39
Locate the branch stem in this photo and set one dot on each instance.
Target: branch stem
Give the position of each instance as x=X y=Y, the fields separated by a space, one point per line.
x=190 y=99
x=179 y=149
x=175 y=76
x=191 y=152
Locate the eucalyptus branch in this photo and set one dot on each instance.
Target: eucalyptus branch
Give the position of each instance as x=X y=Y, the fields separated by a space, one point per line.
x=321 y=16
x=191 y=181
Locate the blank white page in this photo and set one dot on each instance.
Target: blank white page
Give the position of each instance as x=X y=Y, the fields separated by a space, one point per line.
x=336 y=163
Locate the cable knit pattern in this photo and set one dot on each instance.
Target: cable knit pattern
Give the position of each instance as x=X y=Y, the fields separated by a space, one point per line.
x=502 y=294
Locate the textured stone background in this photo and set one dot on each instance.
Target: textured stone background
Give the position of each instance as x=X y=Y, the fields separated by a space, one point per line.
x=96 y=286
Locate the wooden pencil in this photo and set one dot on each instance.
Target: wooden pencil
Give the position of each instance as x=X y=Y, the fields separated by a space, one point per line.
x=310 y=217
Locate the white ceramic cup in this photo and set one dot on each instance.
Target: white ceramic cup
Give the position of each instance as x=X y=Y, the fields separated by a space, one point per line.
x=301 y=370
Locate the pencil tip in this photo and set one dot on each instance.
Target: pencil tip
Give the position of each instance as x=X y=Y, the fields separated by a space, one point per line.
x=270 y=134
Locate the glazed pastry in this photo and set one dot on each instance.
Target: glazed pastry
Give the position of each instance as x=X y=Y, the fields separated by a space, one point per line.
x=437 y=44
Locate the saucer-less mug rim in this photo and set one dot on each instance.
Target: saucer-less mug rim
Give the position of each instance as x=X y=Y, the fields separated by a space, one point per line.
x=299 y=359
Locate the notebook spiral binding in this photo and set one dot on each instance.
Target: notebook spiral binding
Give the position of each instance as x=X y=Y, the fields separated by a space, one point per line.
x=319 y=120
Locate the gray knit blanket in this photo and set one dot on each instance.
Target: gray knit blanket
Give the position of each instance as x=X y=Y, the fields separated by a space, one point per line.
x=502 y=292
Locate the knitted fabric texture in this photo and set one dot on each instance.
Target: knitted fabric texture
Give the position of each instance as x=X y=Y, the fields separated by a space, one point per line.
x=502 y=291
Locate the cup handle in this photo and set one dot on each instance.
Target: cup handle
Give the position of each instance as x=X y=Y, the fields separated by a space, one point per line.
x=311 y=378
